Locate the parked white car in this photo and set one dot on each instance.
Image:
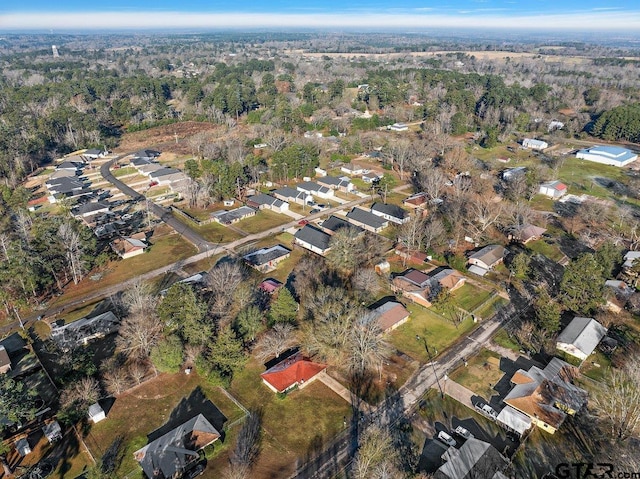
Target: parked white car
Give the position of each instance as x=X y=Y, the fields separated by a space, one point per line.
x=447 y=439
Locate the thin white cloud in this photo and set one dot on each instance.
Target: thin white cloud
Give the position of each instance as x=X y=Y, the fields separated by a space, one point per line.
x=625 y=21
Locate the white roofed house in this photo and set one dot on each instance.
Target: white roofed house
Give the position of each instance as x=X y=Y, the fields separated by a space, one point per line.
x=167 y=176
x=233 y=216
x=581 y=337
x=352 y=169
x=398 y=127
x=533 y=144
x=131 y=246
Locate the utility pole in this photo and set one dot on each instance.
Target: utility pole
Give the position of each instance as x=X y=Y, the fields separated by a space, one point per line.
x=426 y=347
x=15 y=310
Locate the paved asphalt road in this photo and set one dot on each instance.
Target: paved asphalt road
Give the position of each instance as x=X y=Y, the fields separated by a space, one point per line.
x=163 y=213
x=339 y=453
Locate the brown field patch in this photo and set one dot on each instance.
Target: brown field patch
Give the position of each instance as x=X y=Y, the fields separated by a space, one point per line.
x=165 y=134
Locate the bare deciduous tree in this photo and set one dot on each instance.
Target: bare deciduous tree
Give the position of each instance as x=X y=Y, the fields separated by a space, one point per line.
x=139 y=298
x=618 y=400
x=276 y=341
x=139 y=333
x=367 y=349
x=376 y=457
x=81 y=393
x=367 y=280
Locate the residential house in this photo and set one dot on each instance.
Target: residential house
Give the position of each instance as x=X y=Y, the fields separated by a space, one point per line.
x=581 y=337
x=621 y=294
x=527 y=233
x=5 y=361
x=167 y=176
x=131 y=246
x=341 y=184
x=295 y=370
x=533 y=144
x=171 y=455
x=312 y=134
x=608 y=155
x=553 y=189
x=367 y=220
x=266 y=259
x=511 y=174
x=333 y=224
x=137 y=162
x=94 y=153
x=411 y=255
x=64 y=174
x=371 y=177
x=292 y=195
x=22 y=447
x=148 y=168
x=352 y=169
x=147 y=154
x=422 y=288
x=555 y=125
x=392 y=213
x=417 y=200
x=312 y=239
x=267 y=202
x=486 y=258
x=81 y=332
x=547 y=395
x=233 y=216
x=73 y=166
x=91 y=208
x=398 y=127
x=629 y=259
x=311 y=188
x=389 y=315
x=474 y=459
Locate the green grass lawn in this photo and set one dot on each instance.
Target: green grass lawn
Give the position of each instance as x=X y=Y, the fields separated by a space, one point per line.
x=503 y=339
x=294 y=424
x=166 y=249
x=127 y=170
x=439 y=333
x=263 y=220
x=541 y=203
x=216 y=233
x=578 y=176
x=145 y=408
x=551 y=251
x=469 y=297
x=596 y=366
x=490 y=307
x=481 y=373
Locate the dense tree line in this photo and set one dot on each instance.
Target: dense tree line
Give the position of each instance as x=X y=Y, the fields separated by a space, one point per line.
x=620 y=123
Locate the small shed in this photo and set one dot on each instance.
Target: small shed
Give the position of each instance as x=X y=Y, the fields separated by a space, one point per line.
x=23 y=447
x=96 y=413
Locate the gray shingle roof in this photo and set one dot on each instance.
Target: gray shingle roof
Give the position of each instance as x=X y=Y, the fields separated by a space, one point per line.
x=583 y=333
x=333 y=223
x=264 y=255
x=391 y=210
x=314 y=237
x=367 y=218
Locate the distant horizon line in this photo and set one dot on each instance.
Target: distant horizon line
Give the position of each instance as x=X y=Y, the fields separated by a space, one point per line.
x=622 y=22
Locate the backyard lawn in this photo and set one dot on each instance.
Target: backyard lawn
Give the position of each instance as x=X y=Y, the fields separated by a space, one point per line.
x=142 y=410
x=438 y=332
x=469 y=297
x=551 y=251
x=481 y=373
x=294 y=425
x=503 y=339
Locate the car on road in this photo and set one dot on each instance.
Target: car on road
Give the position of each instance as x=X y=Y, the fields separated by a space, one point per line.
x=463 y=432
x=447 y=439
x=315 y=210
x=303 y=222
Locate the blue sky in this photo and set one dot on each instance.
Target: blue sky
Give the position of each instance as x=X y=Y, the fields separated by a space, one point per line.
x=621 y=15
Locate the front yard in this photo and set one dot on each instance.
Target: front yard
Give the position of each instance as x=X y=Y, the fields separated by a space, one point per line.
x=481 y=373
x=294 y=426
x=438 y=332
x=262 y=221
x=469 y=297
